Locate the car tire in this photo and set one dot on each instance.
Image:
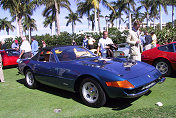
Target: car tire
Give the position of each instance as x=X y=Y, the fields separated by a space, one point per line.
x=92 y=93
x=30 y=79
x=163 y=66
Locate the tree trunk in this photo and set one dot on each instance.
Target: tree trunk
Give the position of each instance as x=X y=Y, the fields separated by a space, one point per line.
x=99 y=21
x=95 y=19
x=93 y=25
x=20 y=27
x=17 y=26
x=119 y=21
x=129 y=13
x=148 y=24
x=154 y=22
x=160 y=17
x=72 y=27
x=88 y=21
x=173 y=16
x=29 y=34
x=116 y=23
x=57 y=17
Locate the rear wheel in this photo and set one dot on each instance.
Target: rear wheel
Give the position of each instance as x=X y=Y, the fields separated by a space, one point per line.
x=30 y=79
x=91 y=93
x=163 y=66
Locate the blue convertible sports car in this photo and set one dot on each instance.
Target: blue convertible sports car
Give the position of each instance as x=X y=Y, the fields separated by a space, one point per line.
x=76 y=69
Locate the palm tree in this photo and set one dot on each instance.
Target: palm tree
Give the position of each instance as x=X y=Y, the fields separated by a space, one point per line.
x=159 y=3
x=137 y=15
x=95 y=4
x=119 y=7
x=84 y=8
x=18 y=8
x=126 y=4
x=72 y=18
x=173 y=4
x=49 y=21
x=53 y=7
x=92 y=19
x=154 y=14
x=6 y=25
x=29 y=25
x=147 y=4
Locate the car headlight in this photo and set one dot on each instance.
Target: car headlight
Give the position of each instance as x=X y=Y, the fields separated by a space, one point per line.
x=120 y=84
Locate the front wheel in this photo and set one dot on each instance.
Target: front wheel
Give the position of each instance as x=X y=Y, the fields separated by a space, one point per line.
x=163 y=66
x=91 y=93
x=30 y=80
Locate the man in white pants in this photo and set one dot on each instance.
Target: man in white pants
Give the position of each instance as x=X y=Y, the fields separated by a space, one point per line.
x=134 y=42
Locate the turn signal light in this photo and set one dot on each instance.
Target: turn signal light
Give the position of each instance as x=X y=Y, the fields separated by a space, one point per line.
x=120 y=84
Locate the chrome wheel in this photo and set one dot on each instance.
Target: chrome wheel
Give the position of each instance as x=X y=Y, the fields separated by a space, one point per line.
x=29 y=78
x=162 y=67
x=90 y=92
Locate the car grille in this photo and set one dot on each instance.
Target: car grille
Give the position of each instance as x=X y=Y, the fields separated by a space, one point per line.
x=142 y=88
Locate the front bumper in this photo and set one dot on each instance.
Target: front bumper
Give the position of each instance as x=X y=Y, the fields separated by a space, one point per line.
x=133 y=93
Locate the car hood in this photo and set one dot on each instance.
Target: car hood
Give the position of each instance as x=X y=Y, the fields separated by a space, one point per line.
x=122 y=67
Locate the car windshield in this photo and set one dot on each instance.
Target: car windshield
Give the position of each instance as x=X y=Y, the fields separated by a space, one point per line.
x=13 y=53
x=72 y=52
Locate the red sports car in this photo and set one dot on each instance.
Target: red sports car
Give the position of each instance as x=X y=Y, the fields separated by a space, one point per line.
x=9 y=57
x=162 y=57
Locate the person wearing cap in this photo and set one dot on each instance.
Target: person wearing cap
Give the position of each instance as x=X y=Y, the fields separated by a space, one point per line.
x=134 y=41
x=25 y=49
x=15 y=45
x=34 y=46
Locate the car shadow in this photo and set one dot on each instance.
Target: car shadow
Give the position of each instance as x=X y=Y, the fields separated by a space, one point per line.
x=115 y=104
x=9 y=67
x=55 y=91
x=120 y=103
x=173 y=74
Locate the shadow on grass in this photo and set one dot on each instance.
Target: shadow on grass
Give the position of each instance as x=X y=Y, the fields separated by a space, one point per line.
x=115 y=104
x=9 y=67
x=173 y=75
x=55 y=91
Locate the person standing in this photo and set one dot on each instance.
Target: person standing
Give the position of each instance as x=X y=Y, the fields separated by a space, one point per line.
x=103 y=44
x=73 y=42
x=3 y=45
x=34 y=46
x=134 y=42
x=85 y=42
x=1 y=71
x=148 y=41
x=154 y=39
x=91 y=42
x=15 y=45
x=43 y=44
x=25 y=49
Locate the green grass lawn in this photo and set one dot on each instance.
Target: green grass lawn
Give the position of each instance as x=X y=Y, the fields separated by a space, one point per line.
x=17 y=101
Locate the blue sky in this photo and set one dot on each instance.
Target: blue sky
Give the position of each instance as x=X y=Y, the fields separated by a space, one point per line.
x=37 y=15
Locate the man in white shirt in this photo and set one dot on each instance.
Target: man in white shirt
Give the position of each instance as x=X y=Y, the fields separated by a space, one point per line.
x=25 y=49
x=103 y=44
